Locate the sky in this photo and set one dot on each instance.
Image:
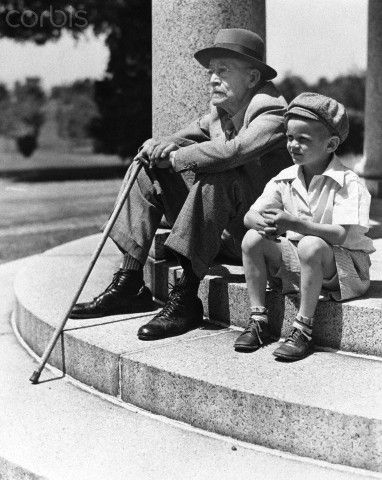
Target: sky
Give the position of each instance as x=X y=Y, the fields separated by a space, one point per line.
x=314 y=38
x=310 y=38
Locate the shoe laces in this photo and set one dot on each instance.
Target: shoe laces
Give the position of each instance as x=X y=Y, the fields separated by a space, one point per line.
x=296 y=335
x=255 y=329
x=114 y=283
x=176 y=295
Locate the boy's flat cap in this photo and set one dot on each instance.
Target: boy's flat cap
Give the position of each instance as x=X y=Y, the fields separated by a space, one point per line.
x=324 y=109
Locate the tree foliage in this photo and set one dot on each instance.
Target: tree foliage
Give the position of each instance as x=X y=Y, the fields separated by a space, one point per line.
x=123 y=96
x=348 y=89
x=23 y=114
x=75 y=109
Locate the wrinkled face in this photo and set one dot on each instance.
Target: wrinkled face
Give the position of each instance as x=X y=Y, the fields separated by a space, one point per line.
x=309 y=141
x=230 y=81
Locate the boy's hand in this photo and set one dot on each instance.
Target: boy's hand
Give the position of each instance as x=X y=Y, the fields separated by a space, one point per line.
x=280 y=220
x=256 y=221
x=269 y=233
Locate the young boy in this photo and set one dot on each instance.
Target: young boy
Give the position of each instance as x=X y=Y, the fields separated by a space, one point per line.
x=323 y=209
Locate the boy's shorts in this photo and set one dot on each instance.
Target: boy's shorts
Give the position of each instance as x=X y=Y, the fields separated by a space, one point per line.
x=351 y=280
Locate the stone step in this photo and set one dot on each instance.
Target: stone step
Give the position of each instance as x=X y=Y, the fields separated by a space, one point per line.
x=57 y=431
x=327 y=407
x=309 y=408
x=354 y=326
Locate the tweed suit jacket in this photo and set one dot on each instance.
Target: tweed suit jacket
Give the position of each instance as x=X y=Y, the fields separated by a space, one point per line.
x=257 y=145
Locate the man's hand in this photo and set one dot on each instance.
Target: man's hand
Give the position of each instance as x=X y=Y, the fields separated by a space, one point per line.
x=278 y=219
x=163 y=163
x=157 y=152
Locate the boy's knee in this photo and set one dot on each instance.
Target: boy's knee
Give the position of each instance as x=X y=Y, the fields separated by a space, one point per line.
x=251 y=241
x=311 y=249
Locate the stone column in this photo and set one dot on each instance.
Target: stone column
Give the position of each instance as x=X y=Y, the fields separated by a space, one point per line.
x=371 y=166
x=181 y=27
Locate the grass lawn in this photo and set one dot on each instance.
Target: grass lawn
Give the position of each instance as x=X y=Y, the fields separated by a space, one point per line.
x=49 y=159
x=37 y=216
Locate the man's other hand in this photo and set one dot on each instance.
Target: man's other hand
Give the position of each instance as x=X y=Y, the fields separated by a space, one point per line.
x=163 y=163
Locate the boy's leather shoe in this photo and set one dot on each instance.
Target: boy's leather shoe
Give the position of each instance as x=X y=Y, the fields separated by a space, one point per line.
x=181 y=313
x=117 y=298
x=256 y=334
x=295 y=347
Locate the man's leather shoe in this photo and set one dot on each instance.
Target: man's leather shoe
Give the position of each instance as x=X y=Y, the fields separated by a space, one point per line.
x=256 y=334
x=117 y=298
x=181 y=313
x=295 y=347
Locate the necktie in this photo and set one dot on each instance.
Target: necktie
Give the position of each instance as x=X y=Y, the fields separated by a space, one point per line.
x=229 y=129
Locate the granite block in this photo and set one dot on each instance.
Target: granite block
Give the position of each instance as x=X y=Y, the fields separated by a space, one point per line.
x=156 y=275
x=252 y=397
x=37 y=334
x=82 y=360
x=158 y=251
x=213 y=289
x=198 y=377
x=350 y=326
x=354 y=325
x=90 y=349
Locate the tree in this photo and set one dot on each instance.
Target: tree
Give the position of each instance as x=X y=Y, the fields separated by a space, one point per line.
x=123 y=97
x=4 y=102
x=4 y=93
x=291 y=86
x=348 y=89
x=22 y=114
x=75 y=109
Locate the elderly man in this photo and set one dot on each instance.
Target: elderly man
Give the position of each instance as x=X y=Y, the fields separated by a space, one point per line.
x=232 y=152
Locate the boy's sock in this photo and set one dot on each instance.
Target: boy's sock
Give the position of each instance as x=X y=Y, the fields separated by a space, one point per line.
x=305 y=325
x=134 y=271
x=188 y=279
x=259 y=313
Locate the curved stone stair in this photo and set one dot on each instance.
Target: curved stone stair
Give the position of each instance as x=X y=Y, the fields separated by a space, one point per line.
x=326 y=407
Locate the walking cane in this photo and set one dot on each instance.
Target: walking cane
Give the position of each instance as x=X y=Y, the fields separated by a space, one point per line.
x=134 y=170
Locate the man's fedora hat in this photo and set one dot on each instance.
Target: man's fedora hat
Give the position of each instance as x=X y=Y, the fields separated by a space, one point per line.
x=240 y=43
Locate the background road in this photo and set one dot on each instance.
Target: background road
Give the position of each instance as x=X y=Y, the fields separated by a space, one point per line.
x=38 y=216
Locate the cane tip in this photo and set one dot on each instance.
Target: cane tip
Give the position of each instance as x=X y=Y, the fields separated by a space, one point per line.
x=34 y=378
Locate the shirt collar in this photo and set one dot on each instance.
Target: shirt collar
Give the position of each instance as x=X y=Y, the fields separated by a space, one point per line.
x=334 y=170
x=238 y=118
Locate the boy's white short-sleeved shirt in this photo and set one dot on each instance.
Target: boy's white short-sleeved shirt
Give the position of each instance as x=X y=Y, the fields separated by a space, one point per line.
x=337 y=196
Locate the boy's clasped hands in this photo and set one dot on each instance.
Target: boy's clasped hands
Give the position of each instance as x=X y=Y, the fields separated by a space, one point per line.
x=275 y=222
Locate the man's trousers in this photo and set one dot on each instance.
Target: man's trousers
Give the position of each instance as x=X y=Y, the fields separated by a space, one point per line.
x=204 y=215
